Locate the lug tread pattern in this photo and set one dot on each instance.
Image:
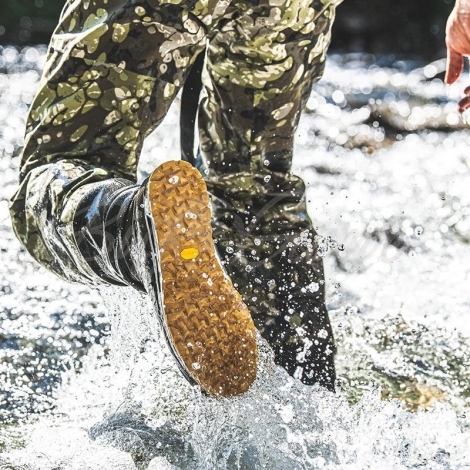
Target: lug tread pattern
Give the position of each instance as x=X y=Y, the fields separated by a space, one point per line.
x=209 y=324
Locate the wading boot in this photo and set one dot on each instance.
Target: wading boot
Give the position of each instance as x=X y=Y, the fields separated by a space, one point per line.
x=262 y=231
x=269 y=248
x=157 y=237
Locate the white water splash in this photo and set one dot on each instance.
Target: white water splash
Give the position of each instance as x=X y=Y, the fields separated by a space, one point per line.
x=106 y=414
x=398 y=298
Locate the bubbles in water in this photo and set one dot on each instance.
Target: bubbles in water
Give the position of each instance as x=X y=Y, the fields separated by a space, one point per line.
x=267 y=178
x=173 y=179
x=229 y=249
x=190 y=215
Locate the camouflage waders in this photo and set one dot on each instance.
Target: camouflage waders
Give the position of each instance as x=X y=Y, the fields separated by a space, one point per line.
x=113 y=69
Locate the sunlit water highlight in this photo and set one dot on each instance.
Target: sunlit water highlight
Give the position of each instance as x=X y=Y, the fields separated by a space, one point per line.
x=388 y=191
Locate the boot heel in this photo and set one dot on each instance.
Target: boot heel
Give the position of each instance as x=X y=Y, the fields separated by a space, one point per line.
x=209 y=328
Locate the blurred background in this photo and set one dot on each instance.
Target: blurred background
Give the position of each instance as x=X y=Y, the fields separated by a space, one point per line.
x=413 y=27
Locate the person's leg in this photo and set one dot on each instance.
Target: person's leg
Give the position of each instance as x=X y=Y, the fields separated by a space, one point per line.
x=260 y=69
x=113 y=69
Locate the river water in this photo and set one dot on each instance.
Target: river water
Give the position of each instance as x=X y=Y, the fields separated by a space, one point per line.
x=86 y=381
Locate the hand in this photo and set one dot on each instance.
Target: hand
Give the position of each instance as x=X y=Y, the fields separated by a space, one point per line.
x=458 y=46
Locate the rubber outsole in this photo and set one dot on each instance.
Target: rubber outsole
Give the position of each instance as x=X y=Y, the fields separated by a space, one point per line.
x=210 y=327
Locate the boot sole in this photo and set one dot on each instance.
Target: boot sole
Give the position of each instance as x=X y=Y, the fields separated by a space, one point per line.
x=208 y=326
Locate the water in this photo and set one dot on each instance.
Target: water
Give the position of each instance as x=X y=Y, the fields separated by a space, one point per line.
x=387 y=164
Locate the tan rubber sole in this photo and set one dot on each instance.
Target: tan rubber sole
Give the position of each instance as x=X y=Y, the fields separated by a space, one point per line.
x=208 y=323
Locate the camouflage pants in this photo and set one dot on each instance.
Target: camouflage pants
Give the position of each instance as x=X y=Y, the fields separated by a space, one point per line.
x=113 y=69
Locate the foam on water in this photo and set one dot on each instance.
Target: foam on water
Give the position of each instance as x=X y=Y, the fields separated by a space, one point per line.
x=146 y=410
x=388 y=191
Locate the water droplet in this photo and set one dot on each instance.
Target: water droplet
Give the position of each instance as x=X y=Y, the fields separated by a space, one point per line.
x=267 y=178
x=322 y=333
x=229 y=249
x=257 y=242
x=173 y=179
x=312 y=287
x=190 y=215
x=196 y=365
x=248 y=268
x=266 y=162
